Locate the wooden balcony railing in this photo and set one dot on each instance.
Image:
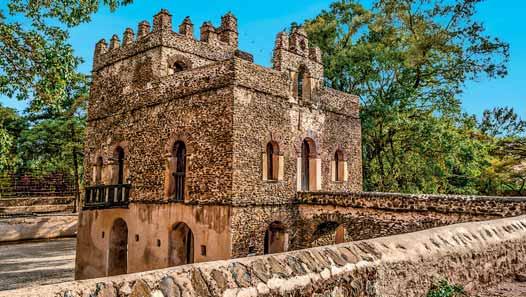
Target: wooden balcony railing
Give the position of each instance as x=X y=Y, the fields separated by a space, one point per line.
x=107 y=196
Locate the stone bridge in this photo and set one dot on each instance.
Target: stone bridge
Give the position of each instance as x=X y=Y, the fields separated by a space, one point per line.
x=475 y=255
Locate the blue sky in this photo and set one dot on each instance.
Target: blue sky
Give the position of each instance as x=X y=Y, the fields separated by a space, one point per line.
x=260 y=21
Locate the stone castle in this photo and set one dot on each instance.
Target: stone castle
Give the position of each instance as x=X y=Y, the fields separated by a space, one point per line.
x=194 y=153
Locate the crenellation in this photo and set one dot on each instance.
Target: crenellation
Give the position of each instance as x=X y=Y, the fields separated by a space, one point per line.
x=208 y=33
x=228 y=32
x=315 y=54
x=143 y=29
x=299 y=42
x=128 y=37
x=114 y=42
x=187 y=28
x=162 y=21
x=100 y=48
x=282 y=41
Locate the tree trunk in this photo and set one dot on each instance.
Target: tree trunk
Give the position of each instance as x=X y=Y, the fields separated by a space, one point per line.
x=76 y=204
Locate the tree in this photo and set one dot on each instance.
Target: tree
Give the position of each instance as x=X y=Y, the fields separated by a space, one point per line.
x=502 y=121
x=408 y=61
x=36 y=62
x=11 y=127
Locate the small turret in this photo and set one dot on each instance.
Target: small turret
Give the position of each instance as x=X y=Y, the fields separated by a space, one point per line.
x=282 y=41
x=187 y=28
x=114 y=42
x=208 y=33
x=101 y=48
x=299 y=43
x=144 y=29
x=162 y=21
x=228 y=30
x=128 y=37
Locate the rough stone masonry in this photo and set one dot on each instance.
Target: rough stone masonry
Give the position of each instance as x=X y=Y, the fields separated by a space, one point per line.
x=194 y=153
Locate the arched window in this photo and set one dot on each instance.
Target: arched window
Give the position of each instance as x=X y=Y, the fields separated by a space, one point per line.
x=98 y=171
x=179 y=174
x=272 y=155
x=119 y=154
x=301 y=78
x=338 y=166
x=309 y=165
x=179 y=66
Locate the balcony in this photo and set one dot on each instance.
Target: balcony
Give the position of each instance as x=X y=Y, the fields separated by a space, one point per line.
x=107 y=196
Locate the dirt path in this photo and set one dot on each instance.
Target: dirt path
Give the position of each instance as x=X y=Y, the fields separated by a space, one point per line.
x=36 y=263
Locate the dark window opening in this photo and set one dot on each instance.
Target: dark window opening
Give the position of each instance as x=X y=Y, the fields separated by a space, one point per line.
x=305 y=166
x=338 y=164
x=203 y=250
x=301 y=77
x=179 y=152
x=272 y=161
x=179 y=66
x=120 y=165
x=98 y=171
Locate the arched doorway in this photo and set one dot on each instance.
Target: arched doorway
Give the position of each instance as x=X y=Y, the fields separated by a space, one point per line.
x=179 y=174
x=181 y=245
x=308 y=170
x=339 y=237
x=276 y=239
x=328 y=233
x=118 y=251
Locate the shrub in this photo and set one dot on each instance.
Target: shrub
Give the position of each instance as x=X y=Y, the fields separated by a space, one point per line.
x=444 y=289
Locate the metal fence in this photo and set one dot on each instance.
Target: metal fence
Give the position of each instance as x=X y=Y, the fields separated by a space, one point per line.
x=18 y=185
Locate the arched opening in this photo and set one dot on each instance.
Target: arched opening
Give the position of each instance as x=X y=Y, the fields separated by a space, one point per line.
x=179 y=170
x=339 y=236
x=181 y=245
x=119 y=155
x=328 y=233
x=179 y=66
x=300 y=83
x=276 y=239
x=338 y=166
x=272 y=153
x=98 y=171
x=118 y=251
x=308 y=165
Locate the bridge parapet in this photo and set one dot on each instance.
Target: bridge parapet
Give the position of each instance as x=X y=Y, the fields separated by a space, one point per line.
x=451 y=204
x=474 y=255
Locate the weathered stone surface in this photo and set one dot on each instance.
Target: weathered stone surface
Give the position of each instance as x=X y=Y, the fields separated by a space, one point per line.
x=140 y=289
x=169 y=287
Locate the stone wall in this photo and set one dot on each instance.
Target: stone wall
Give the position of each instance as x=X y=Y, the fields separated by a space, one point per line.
x=38 y=227
x=474 y=255
x=32 y=205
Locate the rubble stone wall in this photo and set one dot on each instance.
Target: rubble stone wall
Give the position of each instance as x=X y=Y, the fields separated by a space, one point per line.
x=474 y=255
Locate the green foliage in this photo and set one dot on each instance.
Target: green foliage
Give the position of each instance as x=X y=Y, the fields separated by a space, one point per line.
x=36 y=61
x=408 y=61
x=502 y=121
x=11 y=127
x=445 y=289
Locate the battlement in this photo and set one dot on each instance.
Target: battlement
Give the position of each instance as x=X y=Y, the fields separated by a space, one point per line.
x=293 y=52
x=215 y=43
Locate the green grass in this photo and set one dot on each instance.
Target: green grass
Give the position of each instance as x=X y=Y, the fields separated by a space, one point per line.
x=444 y=289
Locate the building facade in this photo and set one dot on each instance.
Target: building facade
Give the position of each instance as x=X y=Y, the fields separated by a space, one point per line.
x=193 y=153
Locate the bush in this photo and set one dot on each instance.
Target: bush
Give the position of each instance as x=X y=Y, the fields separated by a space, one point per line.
x=444 y=289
